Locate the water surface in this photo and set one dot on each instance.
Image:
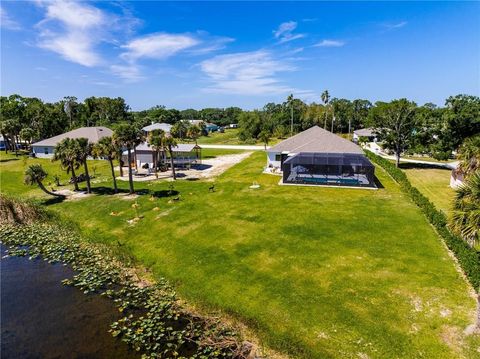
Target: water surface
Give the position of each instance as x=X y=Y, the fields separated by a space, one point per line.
x=42 y=318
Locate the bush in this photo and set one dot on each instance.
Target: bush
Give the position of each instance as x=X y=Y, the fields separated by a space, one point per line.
x=468 y=258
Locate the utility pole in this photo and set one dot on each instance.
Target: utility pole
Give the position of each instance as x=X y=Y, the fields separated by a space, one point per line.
x=291 y=118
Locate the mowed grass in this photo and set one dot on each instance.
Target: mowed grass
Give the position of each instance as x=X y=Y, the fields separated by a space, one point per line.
x=315 y=272
x=434 y=183
x=229 y=137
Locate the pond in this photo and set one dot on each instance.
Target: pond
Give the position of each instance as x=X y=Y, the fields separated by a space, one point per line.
x=42 y=318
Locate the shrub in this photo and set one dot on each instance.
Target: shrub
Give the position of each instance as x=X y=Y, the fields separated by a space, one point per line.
x=468 y=258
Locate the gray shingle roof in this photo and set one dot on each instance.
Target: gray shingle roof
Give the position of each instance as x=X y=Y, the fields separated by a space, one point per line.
x=366 y=132
x=158 y=126
x=181 y=147
x=93 y=134
x=316 y=139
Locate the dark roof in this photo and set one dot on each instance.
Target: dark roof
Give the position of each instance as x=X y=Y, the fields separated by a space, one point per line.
x=316 y=139
x=93 y=134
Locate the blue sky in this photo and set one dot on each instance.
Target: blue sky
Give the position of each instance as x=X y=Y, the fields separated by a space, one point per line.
x=219 y=54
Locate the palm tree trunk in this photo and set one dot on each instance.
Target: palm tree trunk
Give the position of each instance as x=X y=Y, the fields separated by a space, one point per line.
x=115 y=189
x=171 y=162
x=89 y=188
x=74 y=176
x=42 y=187
x=130 y=174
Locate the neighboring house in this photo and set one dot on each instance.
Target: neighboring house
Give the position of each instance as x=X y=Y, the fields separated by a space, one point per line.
x=233 y=125
x=456 y=178
x=195 y=122
x=211 y=127
x=2 y=143
x=184 y=155
x=165 y=127
x=368 y=133
x=46 y=148
x=319 y=157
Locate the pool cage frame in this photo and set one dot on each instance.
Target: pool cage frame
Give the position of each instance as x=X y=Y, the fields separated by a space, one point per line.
x=329 y=169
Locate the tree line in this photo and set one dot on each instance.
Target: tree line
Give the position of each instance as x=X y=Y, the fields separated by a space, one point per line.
x=403 y=126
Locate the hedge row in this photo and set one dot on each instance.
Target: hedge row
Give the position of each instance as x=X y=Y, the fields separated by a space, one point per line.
x=468 y=258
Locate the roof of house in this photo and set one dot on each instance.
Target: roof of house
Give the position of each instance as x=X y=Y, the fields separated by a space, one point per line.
x=316 y=139
x=158 y=126
x=93 y=134
x=181 y=147
x=366 y=132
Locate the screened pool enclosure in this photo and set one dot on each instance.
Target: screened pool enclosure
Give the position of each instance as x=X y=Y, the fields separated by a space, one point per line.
x=331 y=169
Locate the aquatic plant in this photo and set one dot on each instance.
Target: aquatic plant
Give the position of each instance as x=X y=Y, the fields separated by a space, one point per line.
x=153 y=320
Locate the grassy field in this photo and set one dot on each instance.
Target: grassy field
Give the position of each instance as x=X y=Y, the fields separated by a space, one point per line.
x=229 y=137
x=315 y=272
x=435 y=184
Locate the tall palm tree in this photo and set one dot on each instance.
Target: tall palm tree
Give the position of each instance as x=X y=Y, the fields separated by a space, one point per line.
x=194 y=133
x=169 y=143
x=325 y=99
x=106 y=148
x=34 y=175
x=156 y=139
x=84 y=149
x=290 y=104
x=128 y=137
x=264 y=136
x=465 y=219
x=67 y=153
x=469 y=155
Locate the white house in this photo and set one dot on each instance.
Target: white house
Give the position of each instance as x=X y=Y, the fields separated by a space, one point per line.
x=368 y=133
x=165 y=127
x=46 y=148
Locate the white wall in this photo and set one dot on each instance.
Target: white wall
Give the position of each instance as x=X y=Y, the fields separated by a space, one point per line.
x=271 y=162
x=40 y=151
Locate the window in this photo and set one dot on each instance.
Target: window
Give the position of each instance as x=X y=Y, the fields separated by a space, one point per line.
x=45 y=151
x=278 y=157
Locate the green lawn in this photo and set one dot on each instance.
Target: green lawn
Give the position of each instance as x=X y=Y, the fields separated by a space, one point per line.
x=435 y=184
x=314 y=272
x=229 y=137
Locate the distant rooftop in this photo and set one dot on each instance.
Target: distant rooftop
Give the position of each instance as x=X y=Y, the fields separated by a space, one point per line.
x=181 y=147
x=158 y=126
x=317 y=140
x=93 y=134
x=366 y=132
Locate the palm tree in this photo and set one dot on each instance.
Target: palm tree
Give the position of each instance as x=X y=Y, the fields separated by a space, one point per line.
x=129 y=137
x=325 y=99
x=264 y=136
x=469 y=155
x=84 y=149
x=169 y=143
x=194 y=133
x=156 y=139
x=290 y=104
x=34 y=175
x=107 y=149
x=465 y=219
x=67 y=153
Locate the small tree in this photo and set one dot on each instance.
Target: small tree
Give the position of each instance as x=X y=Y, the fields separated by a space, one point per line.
x=34 y=175
x=129 y=137
x=194 y=133
x=106 y=148
x=466 y=209
x=27 y=134
x=395 y=122
x=264 y=136
x=156 y=139
x=66 y=153
x=171 y=142
x=84 y=149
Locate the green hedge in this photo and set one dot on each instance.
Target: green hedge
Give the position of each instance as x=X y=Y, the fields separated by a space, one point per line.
x=468 y=257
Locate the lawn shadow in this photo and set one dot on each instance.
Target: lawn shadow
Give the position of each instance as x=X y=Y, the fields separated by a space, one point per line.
x=411 y=165
x=165 y=193
x=201 y=166
x=378 y=184
x=8 y=160
x=53 y=200
x=102 y=190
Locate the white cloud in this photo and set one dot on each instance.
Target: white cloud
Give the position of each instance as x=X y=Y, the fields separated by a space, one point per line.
x=130 y=73
x=285 y=32
x=330 y=43
x=72 y=30
x=247 y=73
x=396 y=25
x=157 y=46
x=8 y=23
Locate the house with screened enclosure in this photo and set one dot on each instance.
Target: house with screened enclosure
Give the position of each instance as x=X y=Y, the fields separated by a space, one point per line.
x=319 y=157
